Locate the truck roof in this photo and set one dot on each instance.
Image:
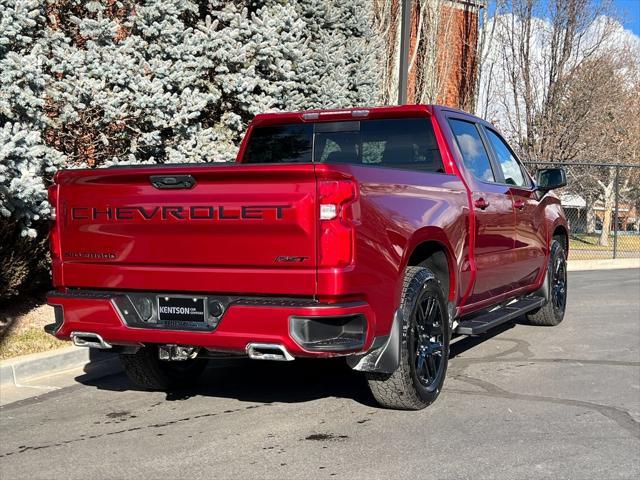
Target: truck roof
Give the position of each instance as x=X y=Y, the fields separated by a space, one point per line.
x=319 y=115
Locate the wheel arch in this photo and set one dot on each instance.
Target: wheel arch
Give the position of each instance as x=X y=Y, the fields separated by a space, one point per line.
x=560 y=231
x=436 y=254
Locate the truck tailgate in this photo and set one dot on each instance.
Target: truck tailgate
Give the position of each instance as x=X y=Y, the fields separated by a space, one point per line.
x=238 y=229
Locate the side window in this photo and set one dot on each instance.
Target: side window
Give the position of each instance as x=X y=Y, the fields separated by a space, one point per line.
x=474 y=154
x=510 y=167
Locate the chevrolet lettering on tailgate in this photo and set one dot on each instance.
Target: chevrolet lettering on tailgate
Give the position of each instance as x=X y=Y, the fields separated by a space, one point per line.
x=194 y=212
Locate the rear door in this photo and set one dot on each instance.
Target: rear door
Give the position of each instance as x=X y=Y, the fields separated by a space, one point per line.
x=237 y=228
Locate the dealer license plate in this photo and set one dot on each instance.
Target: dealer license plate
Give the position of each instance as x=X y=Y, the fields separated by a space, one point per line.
x=181 y=310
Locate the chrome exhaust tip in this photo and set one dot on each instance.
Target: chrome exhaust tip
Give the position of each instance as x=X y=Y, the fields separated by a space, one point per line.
x=269 y=351
x=90 y=340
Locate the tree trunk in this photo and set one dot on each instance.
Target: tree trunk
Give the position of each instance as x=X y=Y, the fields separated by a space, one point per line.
x=606 y=217
x=591 y=219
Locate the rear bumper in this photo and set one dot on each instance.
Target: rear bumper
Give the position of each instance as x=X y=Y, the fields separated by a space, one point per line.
x=245 y=321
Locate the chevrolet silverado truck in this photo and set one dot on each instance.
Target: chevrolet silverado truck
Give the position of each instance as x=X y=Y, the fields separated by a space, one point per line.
x=374 y=234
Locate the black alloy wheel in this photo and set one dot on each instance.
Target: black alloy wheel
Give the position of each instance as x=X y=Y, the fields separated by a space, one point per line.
x=427 y=340
x=424 y=345
x=552 y=312
x=559 y=283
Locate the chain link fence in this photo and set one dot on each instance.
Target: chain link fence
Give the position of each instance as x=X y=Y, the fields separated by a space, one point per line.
x=602 y=204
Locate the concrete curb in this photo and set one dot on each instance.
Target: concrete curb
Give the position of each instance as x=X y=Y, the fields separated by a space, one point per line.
x=604 y=264
x=17 y=371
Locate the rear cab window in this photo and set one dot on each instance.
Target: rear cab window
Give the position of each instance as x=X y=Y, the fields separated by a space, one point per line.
x=407 y=143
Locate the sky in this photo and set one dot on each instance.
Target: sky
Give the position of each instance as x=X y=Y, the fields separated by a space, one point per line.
x=629 y=12
x=492 y=86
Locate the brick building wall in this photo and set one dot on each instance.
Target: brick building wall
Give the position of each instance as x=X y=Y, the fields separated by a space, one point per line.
x=443 y=50
x=457 y=55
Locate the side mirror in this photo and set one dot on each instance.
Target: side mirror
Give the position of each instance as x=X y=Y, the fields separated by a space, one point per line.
x=551 y=178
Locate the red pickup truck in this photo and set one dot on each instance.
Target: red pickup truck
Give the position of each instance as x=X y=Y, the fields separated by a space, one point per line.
x=374 y=234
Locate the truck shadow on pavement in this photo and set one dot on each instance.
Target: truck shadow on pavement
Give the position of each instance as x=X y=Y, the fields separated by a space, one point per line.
x=286 y=382
x=259 y=381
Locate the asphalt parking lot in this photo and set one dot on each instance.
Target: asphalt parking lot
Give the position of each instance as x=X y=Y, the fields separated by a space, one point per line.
x=521 y=402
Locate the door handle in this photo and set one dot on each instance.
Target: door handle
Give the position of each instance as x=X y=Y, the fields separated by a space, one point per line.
x=481 y=203
x=519 y=204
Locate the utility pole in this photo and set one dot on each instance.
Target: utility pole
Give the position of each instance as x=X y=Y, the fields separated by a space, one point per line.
x=405 y=32
x=615 y=217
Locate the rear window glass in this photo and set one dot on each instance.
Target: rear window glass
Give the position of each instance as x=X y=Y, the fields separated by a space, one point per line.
x=280 y=144
x=400 y=143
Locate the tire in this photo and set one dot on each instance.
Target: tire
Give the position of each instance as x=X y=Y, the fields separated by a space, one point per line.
x=408 y=388
x=147 y=371
x=552 y=313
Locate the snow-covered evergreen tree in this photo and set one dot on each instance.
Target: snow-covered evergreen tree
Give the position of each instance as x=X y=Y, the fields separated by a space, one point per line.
x=184 y=78
x=342 y=63
x=22 y=79
x=90 y=83
x=165 y=80
x=26 y=163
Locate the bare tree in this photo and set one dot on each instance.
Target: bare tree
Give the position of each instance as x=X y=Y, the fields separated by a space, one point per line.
x=537 y=45
x=387 y=23
x=561 y=84
x=600 y=112
x=610 y=133
x=485 y=61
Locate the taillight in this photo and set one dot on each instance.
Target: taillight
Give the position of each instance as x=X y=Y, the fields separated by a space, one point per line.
x=336 y=198
x=54 y=235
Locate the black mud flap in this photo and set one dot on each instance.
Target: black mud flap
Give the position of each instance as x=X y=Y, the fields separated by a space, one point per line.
x=384 y=354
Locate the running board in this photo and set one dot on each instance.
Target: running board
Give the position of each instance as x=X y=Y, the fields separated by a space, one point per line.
x=484 y=322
